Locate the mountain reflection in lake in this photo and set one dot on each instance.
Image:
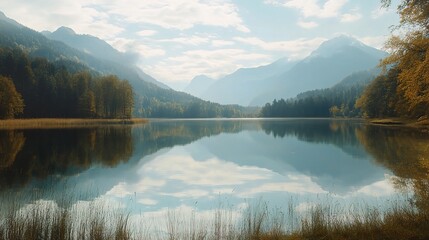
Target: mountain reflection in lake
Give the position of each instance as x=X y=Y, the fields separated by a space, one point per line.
x=196 y=164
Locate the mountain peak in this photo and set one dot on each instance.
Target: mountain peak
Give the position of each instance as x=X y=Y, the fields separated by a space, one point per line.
x=340 y=43
x=65 y=30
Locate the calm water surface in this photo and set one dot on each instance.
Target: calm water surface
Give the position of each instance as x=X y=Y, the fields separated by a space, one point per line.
x=203 y=165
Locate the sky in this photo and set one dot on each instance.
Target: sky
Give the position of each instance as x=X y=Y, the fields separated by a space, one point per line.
x=177 y=40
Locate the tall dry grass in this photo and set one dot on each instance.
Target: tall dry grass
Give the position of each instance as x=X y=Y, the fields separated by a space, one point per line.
x=45 y=220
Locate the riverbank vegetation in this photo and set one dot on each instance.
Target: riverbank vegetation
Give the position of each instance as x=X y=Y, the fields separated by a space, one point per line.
x=46 y=220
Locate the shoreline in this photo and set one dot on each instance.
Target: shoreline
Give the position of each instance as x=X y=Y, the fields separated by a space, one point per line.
x=399 y=122
x=65 y=122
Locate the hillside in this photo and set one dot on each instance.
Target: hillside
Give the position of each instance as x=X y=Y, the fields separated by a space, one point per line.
x=99 y=49
x=149 y=99
x=338 y=100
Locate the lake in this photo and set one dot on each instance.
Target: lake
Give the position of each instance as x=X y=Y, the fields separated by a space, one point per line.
x=200 y=166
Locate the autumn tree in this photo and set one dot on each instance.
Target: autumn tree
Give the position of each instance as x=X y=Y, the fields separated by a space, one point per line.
x=409 y=54
x=11 y=103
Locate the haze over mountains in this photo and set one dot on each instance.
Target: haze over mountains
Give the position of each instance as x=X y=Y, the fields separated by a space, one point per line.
x=326 y=66
x=86 y=53
x=99 y=49
x=334 y=60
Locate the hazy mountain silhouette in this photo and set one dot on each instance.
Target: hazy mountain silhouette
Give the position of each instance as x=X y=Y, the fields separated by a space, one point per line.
x=99 y=49
x=334 y=60
x=241 y=86
x=199 y=85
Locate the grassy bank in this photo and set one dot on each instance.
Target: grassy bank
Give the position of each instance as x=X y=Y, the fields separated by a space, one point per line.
x=320 y=222
x=64 y=122
x=416 y=123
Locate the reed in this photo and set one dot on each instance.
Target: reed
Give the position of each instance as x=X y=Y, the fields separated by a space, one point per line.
x=260 y=222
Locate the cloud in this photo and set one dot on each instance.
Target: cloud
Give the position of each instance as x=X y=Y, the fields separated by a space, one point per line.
x=295 y=49
x=350 y=17
x=191 y=40
x=136 y=46
x=177 y=14
x=213 y=63
x=312 y=8
x=299 y=184
x=146 y=33
x=378 y=189
x=307 y=25
x=147 y=201
x=190 y=193
x=221 y=43
x=200 y=173
x=49 y=15
x=374 y=41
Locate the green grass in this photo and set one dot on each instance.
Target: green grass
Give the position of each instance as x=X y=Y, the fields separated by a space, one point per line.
x=45 y=220
x=64 y=122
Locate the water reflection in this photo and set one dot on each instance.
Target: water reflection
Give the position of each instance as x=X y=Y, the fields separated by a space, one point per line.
x=178 y=163
x=38 y=154
x=405 y=151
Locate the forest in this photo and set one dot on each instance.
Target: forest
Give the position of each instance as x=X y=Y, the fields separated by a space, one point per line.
x=149 y=99
x=33 y=87
x=338 y=101
x=36 y=88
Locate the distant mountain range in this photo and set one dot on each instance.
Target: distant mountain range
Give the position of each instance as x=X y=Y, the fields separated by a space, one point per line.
x=334 y=60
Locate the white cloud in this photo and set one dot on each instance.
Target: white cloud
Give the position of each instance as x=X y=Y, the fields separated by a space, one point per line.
x=312 y=8
x=381 y=188
x=295 y=49
x=221 y=43
x=350 y=17
x=213 y=63
x=374 y=41
x=200 y=173
x=191 y=40
x=299 y=184
x=146 y=33
x=190 y=193
x=119 y=190
x=49 y=15
x=147 y=201
x=177 y=14
x=307 y=25
x=135 y=46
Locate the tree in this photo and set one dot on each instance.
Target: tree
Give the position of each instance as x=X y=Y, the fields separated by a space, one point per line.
x=11 y=103
x=410 y=55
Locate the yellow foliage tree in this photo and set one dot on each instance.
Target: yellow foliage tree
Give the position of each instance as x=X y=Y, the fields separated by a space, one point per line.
x=11 y=102
x=409 y=54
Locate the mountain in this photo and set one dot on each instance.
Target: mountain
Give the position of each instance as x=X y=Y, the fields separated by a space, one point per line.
x=244 y=84
x=331 y=62
x=150 y=100
x=199 y=85
x=99 y=49
x=3 y=17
